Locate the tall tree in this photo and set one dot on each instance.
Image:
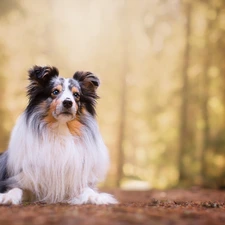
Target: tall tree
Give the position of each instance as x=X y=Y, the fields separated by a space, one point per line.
x=205 y=95
x=183 y=137
x=123 y=87
x=219 y=143
x=5 y=7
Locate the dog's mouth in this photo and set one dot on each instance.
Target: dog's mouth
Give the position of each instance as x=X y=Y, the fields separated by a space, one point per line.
x=66 y=113
x=64 y=116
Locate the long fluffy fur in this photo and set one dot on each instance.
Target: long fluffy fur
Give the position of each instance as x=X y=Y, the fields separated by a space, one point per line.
x=47 y=160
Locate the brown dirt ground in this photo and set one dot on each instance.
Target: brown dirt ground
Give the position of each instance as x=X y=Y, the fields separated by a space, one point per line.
x=171 y=207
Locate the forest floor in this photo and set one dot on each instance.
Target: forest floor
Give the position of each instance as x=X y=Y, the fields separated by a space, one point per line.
x=171 y=207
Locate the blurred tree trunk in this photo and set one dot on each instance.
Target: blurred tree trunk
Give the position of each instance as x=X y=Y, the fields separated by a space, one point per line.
x=121 y=133
x=122 y=114
x=3 y=134
x=205 y=99
x=220 y=46
x=5 y=8
x=183 y=136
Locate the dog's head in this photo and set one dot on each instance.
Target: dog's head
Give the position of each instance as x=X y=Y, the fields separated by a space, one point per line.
x=61 y=99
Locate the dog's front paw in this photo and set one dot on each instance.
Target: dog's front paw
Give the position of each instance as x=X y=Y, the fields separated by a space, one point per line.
x=103 y=199
x=13 y=197
x=89 y=196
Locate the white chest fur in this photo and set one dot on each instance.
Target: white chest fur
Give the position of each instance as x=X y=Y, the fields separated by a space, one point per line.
x=55 y=165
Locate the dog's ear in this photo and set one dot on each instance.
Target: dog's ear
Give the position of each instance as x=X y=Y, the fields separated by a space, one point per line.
x=88 y=83
x=42 y=75
x=87 y=80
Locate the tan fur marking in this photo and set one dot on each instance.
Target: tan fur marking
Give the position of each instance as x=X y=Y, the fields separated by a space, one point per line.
x=84 y=111
x=49 y=118
x=74 y=127
x=74 y=90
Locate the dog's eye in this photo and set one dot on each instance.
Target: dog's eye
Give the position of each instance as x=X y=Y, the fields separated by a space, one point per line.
x=76 y=95
x=55 y=92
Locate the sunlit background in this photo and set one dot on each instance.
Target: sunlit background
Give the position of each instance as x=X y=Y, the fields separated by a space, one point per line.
x=162 y=69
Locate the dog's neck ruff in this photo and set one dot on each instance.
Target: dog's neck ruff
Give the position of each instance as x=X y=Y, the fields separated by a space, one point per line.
x=53 y=163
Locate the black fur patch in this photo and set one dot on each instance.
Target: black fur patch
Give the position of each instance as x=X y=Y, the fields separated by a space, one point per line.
x=40 y=86
x=88 y=83
x=3 y=171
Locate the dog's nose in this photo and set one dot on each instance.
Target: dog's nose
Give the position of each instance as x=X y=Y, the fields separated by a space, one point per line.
x=67 y=103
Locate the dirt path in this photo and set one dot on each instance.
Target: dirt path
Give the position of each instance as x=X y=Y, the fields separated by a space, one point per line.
x=173 y=207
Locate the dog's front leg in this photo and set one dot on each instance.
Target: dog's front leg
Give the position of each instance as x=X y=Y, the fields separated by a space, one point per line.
x=13 y=196
x=90 y=196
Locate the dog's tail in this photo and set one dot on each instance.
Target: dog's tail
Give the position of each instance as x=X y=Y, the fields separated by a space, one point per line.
x=3 y=171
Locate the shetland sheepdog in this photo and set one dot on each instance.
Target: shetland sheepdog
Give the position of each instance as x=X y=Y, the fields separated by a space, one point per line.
x=56 y=153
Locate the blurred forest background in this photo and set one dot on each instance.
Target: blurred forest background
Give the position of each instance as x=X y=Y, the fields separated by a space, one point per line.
x=162 y=70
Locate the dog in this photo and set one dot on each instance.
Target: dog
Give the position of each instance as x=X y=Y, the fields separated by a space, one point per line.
x=56 y=153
